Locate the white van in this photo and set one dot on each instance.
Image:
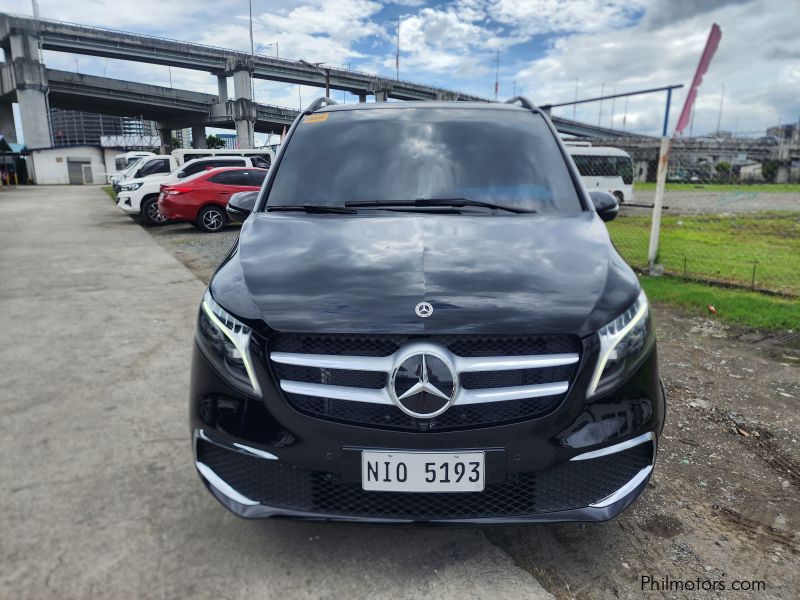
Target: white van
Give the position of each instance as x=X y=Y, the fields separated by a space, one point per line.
x=139 y=196
x=604 y=168
x=126 y=159
x=262 y=157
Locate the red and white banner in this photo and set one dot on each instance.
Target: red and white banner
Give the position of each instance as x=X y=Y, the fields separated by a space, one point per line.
x=711 y=47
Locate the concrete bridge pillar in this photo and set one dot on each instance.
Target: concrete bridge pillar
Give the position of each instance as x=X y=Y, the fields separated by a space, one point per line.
x=7 y=128
x=244 y=113
x=30 y=81
x=362 y=97
x=199 y=136
x=222 y=88
x=165 y=133
x=381 y=95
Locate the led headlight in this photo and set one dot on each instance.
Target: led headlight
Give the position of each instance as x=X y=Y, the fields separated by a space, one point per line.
x=129 y=187
x=226 y=342
x=621 y=344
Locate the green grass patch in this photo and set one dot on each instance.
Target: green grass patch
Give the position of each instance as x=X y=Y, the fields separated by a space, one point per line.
x=752 y=309
x=724 y=248
x=110 y=191
x=723 y=187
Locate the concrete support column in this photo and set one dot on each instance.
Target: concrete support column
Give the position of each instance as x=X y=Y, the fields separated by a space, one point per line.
x=7 y=128
x=222 y=88
x=362 y=97
x=30 y=81
x=199 y=136
x=165 y=133
x=244 y=112
x=381 y=96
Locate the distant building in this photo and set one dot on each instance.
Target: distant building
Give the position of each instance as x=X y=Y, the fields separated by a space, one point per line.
x=71 y=127
x=229 y=139
x=789 y=132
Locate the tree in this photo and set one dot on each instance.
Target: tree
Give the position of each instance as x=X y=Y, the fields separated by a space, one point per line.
x=214 y=141
x=176 y=143
x=769 y=170
x=723 y=168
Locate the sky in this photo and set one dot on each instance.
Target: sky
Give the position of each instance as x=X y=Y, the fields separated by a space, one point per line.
x=549 y=50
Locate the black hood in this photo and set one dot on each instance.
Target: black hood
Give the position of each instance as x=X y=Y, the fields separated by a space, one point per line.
x=482 y=274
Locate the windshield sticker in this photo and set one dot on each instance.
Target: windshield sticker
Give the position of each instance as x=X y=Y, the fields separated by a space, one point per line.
x=316 y=118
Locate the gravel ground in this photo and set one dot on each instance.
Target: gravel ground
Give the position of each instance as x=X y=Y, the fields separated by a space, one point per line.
x=723 y=504
x=720 y=202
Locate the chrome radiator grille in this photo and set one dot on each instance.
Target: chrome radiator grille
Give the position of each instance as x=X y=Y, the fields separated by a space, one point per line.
x=346 y=378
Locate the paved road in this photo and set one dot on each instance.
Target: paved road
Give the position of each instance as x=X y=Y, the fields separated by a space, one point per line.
x=99 y=497
x=702 y=201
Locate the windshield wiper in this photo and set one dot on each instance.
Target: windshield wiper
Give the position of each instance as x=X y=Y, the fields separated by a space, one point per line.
x=423 y=202
x=312 y=208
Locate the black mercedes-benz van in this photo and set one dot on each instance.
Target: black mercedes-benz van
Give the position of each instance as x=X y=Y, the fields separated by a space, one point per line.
x=424 y=320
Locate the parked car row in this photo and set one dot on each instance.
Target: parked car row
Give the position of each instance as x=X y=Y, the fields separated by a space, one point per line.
x=206 y=184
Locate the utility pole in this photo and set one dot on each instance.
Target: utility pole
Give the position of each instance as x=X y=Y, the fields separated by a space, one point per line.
x=397 y=53
x=574 y=106
x=252 y=53
x=719 y=116
x=625 y=114
x=600 y=114
x=514 y=95
x=170 y=75
x=497 y=76
x=613 y=102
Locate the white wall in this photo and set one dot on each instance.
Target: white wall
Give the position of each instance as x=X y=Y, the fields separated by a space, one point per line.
x=50 y=164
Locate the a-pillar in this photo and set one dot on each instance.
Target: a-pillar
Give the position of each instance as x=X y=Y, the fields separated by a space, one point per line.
x=31 y=88
x=199 y=136
x=244 y=110
x=165 y=133
x=7 y=128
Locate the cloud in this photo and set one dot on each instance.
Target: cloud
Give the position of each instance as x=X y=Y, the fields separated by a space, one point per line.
x=754 y=61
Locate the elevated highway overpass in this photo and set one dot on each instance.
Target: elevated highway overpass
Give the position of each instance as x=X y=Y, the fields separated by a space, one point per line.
x=26 y=80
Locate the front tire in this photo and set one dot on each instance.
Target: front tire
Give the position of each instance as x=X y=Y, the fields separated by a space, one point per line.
x=152 y=216
x=211 y=219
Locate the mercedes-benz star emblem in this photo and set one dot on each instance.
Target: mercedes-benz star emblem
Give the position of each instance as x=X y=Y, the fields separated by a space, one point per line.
x=424 y=309
x=424 y=385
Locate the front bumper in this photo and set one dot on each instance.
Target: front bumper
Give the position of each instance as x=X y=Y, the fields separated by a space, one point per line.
x=125 y=203
x=586 y=461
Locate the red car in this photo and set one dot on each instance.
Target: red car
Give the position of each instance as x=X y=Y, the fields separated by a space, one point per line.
x=202 y=199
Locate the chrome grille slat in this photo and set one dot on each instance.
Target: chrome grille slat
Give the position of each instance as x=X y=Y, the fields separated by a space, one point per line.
x=462 y=364
x=337 y=392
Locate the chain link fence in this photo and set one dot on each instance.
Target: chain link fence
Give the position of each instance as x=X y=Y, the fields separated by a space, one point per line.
x=731 y=211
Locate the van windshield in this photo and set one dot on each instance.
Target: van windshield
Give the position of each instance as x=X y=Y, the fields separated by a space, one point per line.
x=505 y=157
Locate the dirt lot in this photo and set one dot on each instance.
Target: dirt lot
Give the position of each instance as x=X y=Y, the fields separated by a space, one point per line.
x=723 y=504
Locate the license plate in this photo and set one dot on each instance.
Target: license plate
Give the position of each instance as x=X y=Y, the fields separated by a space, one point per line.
x=422 y=471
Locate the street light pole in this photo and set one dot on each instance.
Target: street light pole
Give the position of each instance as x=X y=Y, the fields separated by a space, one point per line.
x=719 y=116
x=574 y=106
x=397 y=54
x=497 y=76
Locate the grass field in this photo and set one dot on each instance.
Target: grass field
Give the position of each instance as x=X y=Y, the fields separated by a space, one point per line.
x=720 y=248
x=110 y=191
x=723 y=187
x=742 y=307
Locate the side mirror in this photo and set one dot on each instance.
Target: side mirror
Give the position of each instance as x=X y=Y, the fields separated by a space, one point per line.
x=605 y=204
x=240 y=206
x=181 y=174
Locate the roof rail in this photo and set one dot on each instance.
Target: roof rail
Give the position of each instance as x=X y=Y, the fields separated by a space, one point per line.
x=319 y=103
x=523 y=101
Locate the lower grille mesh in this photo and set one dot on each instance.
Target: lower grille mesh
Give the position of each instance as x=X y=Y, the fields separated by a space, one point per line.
x=569 y=486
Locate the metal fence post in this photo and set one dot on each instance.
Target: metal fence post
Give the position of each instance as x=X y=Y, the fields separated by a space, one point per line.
x=661 y=180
